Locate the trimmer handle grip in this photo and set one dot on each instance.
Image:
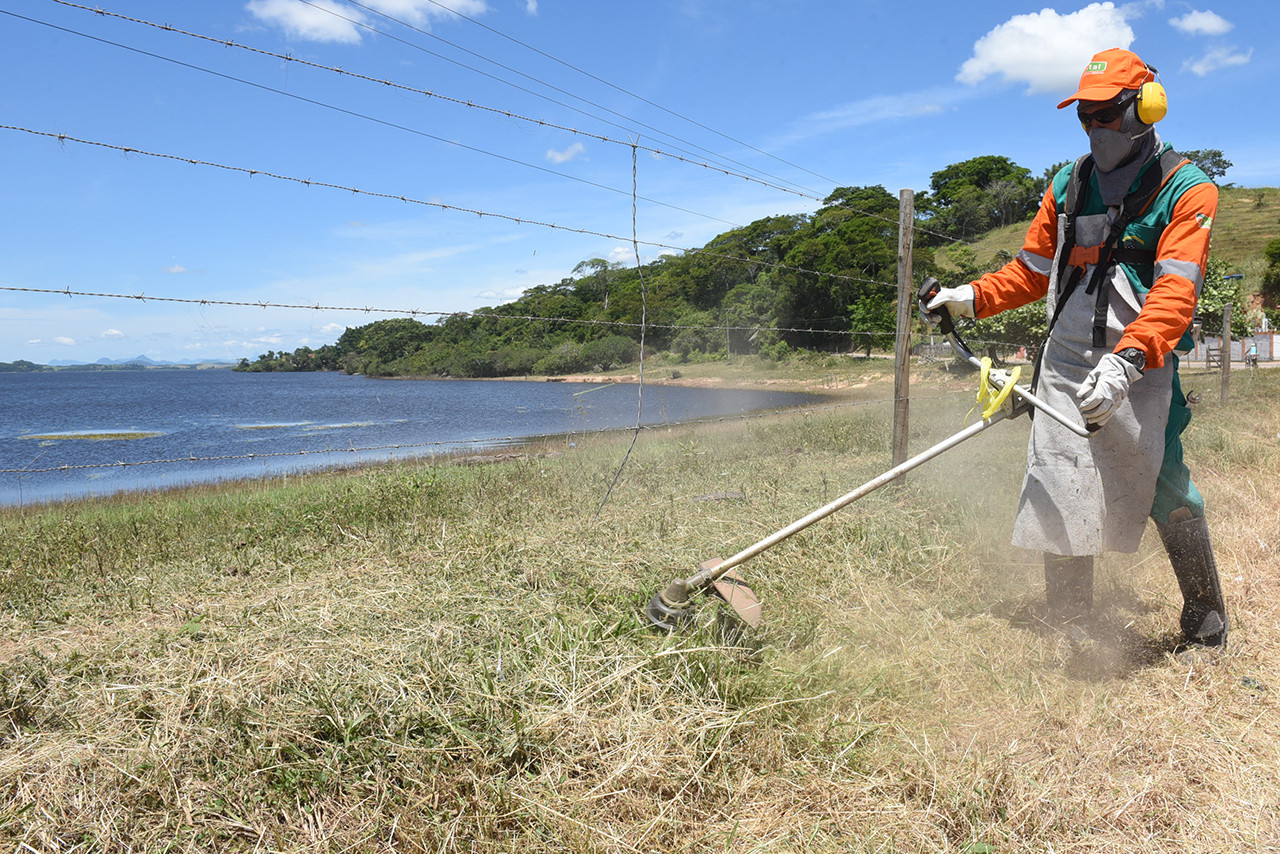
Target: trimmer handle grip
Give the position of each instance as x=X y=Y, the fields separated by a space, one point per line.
x=927 y=292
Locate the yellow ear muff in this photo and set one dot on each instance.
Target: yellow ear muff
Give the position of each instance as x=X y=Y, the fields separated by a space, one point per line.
x=1153 y=103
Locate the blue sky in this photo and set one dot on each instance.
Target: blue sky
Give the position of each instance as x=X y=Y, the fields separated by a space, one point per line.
x=799 y=95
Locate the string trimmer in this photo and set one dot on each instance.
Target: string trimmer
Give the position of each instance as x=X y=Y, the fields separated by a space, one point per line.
x=1000 y=397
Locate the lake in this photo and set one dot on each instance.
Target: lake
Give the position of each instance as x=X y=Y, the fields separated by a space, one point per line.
x=70 y=434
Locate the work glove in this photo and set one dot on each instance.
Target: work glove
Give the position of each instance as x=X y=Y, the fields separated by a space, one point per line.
x=958 y=303
x=1105 y=388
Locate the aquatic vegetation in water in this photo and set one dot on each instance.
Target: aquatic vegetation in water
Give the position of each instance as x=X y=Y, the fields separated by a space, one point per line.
x=92 y=436
x=271 y=426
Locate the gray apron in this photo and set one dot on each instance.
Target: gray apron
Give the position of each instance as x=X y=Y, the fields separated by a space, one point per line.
x=1086 y=496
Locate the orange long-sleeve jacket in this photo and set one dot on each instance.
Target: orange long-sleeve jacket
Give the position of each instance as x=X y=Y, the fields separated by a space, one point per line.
x=1185 y=207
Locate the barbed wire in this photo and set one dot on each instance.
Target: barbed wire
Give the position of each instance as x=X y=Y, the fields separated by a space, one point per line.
x=413 y=312
x=481 y=315
x=644 y=313
x=438 y=96
x=807 y=194
x=309 y=182
x=617 y=88
x=366 y=117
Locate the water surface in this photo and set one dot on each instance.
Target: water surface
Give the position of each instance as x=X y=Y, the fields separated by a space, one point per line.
x=71 y=434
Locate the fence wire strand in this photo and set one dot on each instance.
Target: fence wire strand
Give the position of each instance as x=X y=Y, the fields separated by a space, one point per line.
x=310 y=182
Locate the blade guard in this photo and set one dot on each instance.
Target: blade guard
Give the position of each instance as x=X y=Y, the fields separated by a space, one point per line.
x=733 y=589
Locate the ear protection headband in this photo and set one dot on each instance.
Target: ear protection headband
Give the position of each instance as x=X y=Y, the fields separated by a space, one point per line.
x=1153 y=103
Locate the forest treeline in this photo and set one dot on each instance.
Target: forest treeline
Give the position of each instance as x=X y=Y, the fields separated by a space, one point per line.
x=824 y=281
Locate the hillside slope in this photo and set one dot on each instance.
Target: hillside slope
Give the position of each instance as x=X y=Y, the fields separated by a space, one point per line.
x=1248 y=217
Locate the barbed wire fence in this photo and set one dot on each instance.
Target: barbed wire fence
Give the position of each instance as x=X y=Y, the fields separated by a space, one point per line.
x=437 y=446
x=330 y=452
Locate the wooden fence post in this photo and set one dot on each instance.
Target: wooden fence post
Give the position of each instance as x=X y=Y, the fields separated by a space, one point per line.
x=1226 y=350
x=902 y=348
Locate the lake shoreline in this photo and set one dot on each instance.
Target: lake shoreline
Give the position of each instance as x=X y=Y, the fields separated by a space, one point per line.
x=217 y=429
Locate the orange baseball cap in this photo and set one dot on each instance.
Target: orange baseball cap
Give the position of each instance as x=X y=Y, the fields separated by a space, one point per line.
x=1108 y=74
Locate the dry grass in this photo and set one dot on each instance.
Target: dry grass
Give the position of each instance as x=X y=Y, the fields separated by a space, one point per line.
x=451 y=659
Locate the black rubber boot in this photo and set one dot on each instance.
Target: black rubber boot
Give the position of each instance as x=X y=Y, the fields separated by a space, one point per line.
x=1068 y=588
x=1204 y=614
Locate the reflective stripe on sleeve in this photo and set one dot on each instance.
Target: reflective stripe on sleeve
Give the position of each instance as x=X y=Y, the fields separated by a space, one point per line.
x=1188 y=270
x=1035 y=263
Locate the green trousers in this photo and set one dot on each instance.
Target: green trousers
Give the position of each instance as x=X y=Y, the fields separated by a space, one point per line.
x=1174 y=488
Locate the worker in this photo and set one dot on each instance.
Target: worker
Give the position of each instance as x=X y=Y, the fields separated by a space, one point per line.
x=1118 y=247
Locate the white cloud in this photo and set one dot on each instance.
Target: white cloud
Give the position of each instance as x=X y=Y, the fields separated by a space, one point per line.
x=1202 y=24
x=498 y=296
x=622 y=255
x=876 y=109
x=329 y=21
x=420 y=11
x=570 y=153
x=33 y=341
x=325 y=21
x=112 y=333
x=175 y=269
x=65 y=341
x=1047 y=50
x=868 y=111
x=1222 y=57
x=531 y=6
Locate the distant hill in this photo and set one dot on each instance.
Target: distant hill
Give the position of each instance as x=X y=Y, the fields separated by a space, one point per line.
x=21 y=366
x=140 y=361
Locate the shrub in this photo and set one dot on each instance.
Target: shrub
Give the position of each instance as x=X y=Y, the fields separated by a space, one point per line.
x=564 y=359
x=608 y=352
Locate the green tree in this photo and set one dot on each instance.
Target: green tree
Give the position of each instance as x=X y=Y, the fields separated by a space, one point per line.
x=1210 y=160
x=373 y=347
x=847 y=251
x=1217 y=292
x=1046 y=178
x=609 y=352
x=874 y=319
x=595 y=278
x=978 y=194
x=1011 y=199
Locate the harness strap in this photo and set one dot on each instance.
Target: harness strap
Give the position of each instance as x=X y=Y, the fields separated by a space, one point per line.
x=1076 y=259
x=1135 y=204
x=1081 y=172
x=1083 y=256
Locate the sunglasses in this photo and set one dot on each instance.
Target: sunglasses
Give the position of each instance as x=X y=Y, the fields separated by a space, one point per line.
x=1105 y=115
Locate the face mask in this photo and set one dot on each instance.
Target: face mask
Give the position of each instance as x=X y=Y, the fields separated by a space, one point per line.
x=1111 y=148
x=1114 y=148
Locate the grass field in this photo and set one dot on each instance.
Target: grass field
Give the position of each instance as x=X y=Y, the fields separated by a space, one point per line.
x=452 y=658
